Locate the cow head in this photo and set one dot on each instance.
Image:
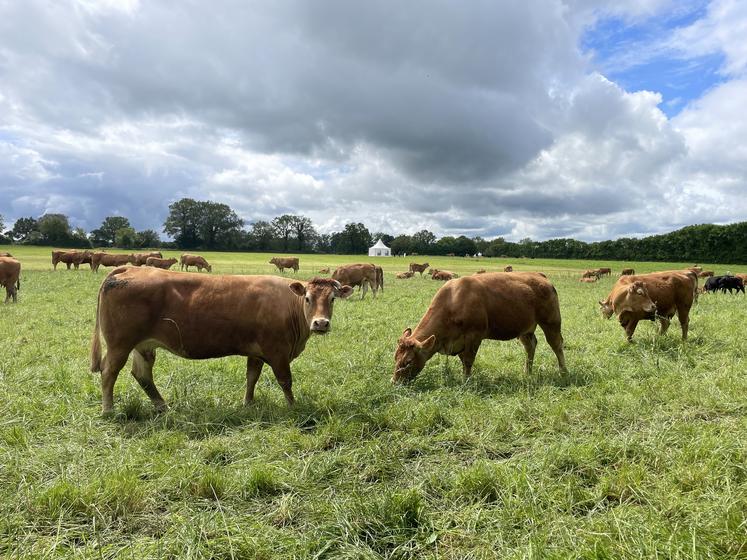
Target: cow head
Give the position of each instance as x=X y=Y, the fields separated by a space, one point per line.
x=411 y=355
x=318 y=298
x=630 y=300
x=273 y=260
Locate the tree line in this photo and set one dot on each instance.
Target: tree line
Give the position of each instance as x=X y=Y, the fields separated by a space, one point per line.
x=194 y=224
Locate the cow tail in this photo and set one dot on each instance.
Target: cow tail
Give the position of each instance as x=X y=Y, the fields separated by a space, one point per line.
x=380 y=272
x=96 y=341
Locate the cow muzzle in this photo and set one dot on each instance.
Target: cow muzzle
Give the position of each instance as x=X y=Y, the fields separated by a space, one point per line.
x=320 y=325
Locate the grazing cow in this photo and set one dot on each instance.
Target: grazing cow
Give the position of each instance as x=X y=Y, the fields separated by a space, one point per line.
x=74 y=258
x=658 y=295
x=508 y=268
x=481 y=271
x=724 y=283
x=194 y=260
x=706 y=273
x=265 y=318
x=405 y=275
x=5 y=254
x=415 y=267
x=604 y=271
x=493 y=306
x=696 y=269
x=161 y=263
x=324 y=271
x=362 y=274
x=591 y=274
x=589 y=280
x=444 y=275
x=282 y=263
x=627 y=272
x=108 y=259
x=138 y=259
x=10 y=277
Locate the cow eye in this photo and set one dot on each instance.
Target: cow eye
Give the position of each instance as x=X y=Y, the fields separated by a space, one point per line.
x=308 y=299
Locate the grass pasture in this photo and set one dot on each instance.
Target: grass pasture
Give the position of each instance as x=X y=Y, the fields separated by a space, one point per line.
x=640 y=451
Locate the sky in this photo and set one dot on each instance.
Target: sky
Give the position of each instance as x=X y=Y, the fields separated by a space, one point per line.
x=591 y=119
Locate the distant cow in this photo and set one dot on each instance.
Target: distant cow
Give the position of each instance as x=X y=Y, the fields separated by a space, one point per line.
x=5 y=254
x=627 y=272
x=138 y=259
x=404 y=275
x=658 y=295
x=71 y=258
x=324 y=271
x=161 y=263
x=415 y=267
x=508 y=268
x=604 y=272
x=444 y=275
x=696 y=269
x=494 y=306
x=705 y=273
x=379 y=278
x=481 y=271
x=588 y=280
x=591 y=274
x=724 y=283
x=285 y=262
x=265 y=318
x=361 y=274
x=10 y=277
x=194 y=260
x=108 y=259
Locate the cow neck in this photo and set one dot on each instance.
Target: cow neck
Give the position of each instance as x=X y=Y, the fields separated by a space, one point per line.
x=428 y=326
x=299 y=324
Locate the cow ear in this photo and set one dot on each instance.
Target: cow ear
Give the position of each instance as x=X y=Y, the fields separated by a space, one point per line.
x=600 y=302
x=298 y=289
x=407 y=332
x=344 y=292
x=428 y=343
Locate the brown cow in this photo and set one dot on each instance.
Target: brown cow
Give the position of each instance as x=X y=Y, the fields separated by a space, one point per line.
x=405 y=275
x=743 y=277
x=627 y=272
x=508 y=268
x=109 y=259
x=362 y=274
x=591 y=273
x=696 y=268
x=265 y=318
x=705 y=273
x=324 y=271
x=379 y=278
x=493 y=306
x=415 y=267
x=444 y=275
x=194 y=260
x=658 y=295
x=481 y=271
x=282 y=263
x=161 y=263
x=138 y=259
x=604 y=271
x=5 y=254
x=74 y=258
x=10 y=277
x=588 y=280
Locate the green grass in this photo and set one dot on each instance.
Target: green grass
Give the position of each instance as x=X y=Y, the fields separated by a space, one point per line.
x=640 y=451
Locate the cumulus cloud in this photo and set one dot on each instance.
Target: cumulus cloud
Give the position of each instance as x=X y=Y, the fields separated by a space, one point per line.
x=487 y=120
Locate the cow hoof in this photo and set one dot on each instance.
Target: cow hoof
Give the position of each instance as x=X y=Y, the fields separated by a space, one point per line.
x=161 y=408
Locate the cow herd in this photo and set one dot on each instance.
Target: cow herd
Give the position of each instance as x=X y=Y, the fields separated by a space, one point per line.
x=269 y=319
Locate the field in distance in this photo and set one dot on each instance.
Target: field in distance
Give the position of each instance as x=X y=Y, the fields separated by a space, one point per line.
x=640 y=450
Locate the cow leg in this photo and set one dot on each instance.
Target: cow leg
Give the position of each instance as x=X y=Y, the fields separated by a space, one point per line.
x=113 y=363
x=467 y=356
x=282 y=372
x=664 y=322
x=630 y=328
x=530 y=345
x=555 y=339
x=68 y=265
x=253 y=370
x=142 y=371
x=683 y=315
x=364 y=289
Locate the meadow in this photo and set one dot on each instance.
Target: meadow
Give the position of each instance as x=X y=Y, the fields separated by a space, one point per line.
x=639 y=451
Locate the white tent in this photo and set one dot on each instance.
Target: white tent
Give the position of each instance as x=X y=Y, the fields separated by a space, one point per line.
x=379 y=250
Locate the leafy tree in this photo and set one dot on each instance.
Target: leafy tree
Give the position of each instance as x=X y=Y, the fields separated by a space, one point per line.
x=354 y=239
x=54 y=229
x=79 y=238
x=261 y=236
x=22 y=228
x=218 y=225
x=105 y=235
x=386 y=239
x=125 y=237
x=183 y=223
x=147 y=238
x=303 y=229
x=283 y=226
x=401 y=244
x=423 y=242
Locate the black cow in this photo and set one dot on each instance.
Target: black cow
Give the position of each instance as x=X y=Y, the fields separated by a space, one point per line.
x=723 y=283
